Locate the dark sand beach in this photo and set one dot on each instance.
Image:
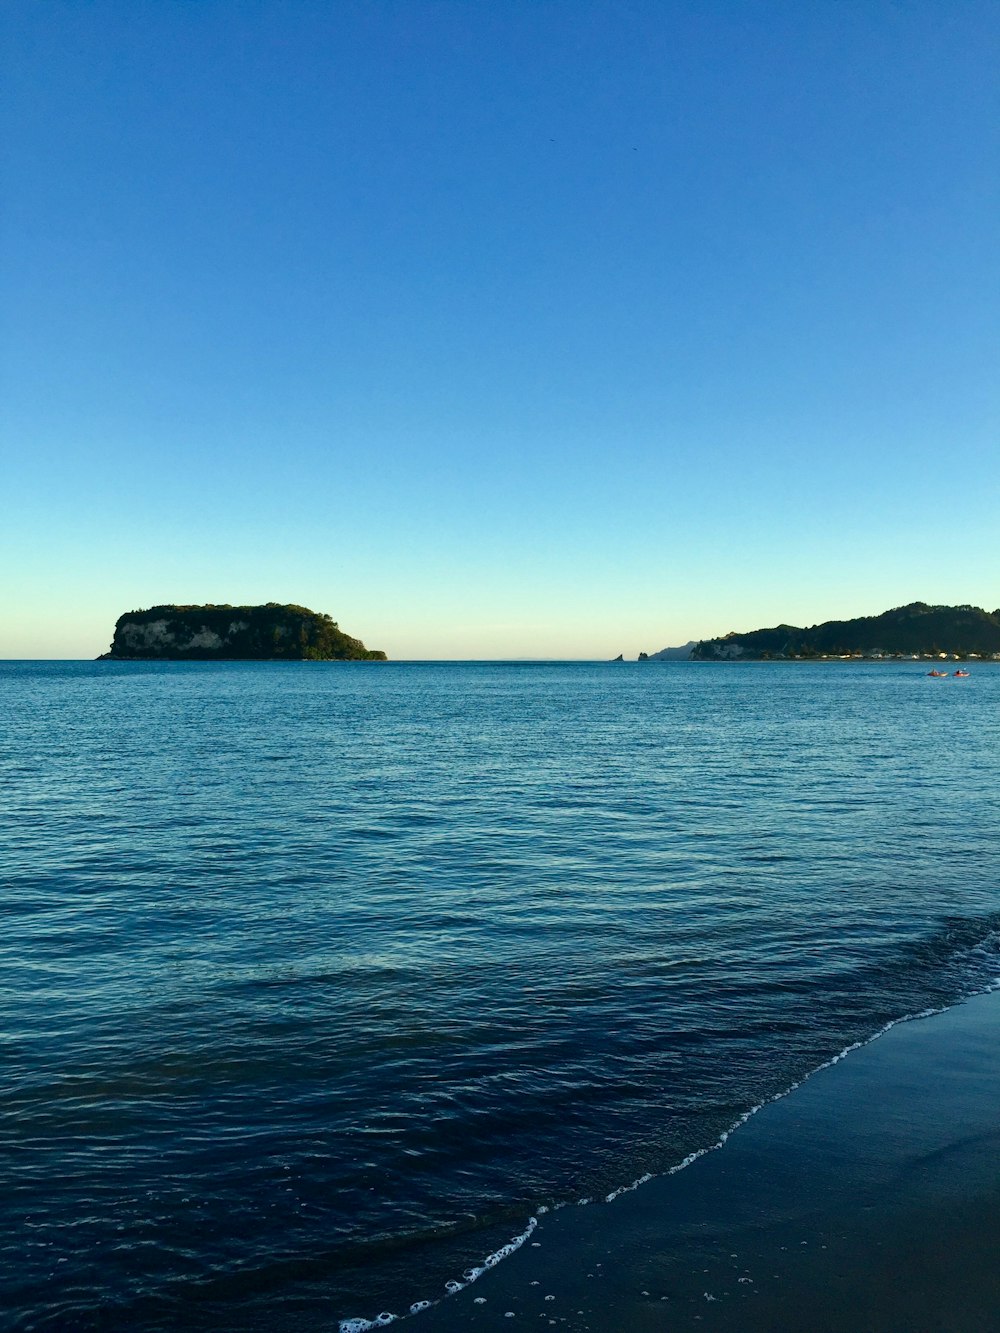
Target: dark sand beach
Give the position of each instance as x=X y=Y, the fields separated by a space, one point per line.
x=868 y=1198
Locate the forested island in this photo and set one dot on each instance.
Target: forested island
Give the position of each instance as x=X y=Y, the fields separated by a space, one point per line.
x=272 y=632
x=916 y=630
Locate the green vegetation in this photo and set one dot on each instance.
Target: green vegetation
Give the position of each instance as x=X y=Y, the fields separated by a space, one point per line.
x=250 y=633
x=917 y=629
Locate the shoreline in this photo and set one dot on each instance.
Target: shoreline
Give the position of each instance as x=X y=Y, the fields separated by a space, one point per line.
x=866 y=1197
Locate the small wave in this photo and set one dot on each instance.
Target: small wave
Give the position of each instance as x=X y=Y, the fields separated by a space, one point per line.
x=505 y=1251
x=985 y=951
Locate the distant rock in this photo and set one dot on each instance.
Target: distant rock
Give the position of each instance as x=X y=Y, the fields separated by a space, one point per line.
x=244 y=633
x=619 y=658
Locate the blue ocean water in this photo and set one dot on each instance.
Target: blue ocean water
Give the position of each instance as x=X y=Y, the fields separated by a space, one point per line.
x=320 y=978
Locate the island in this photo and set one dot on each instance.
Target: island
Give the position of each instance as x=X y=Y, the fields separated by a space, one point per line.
x=916 y=630
x=268 y=633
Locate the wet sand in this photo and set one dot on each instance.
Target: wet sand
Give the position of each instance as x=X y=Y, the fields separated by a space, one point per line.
x=867 y=1199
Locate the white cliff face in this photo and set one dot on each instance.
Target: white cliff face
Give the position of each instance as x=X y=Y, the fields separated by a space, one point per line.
x=155 y=637
x=729 y=651
x=205 y=638
x=155 y=634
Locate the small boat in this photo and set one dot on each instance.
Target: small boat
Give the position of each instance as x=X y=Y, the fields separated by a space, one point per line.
x=961 y=673
x=937 y=673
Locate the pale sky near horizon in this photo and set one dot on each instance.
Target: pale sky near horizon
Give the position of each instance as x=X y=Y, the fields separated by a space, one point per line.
x=516 y=329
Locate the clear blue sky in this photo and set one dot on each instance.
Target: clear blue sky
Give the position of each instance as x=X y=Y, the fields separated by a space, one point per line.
x=498 y=329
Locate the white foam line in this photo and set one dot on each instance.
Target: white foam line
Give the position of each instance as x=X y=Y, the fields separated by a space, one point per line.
x=360 y=1325
x=504 y=1252
x=627 y=1189
x=470 y=1275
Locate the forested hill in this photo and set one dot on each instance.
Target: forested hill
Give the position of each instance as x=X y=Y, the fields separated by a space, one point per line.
x=905 y=630
x=256 y=633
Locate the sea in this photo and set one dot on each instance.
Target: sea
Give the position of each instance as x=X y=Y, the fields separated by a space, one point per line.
x=321 y=980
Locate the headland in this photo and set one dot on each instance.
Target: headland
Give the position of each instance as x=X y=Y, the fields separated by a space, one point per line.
x=916 y=631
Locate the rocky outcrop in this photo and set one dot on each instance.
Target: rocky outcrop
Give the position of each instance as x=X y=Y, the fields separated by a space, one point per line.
x=246 y=633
